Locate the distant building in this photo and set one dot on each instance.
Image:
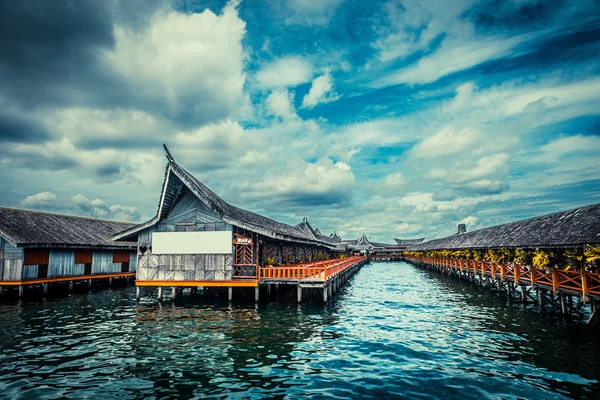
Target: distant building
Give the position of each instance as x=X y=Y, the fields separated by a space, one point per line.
x=39 y=247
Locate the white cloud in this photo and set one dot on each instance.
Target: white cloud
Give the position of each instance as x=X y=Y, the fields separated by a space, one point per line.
x=321 y=91
x=448 y=141
x=280 y=103
x=43 y=199
x=304 y=184
x=394 y=181
x=211 y=146
x=81 y=206
x=189 y=65
x=570 y=145
x=451 y=57
x=284 y=72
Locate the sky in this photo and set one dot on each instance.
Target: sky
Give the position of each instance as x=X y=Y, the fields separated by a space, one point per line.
x=396 y=119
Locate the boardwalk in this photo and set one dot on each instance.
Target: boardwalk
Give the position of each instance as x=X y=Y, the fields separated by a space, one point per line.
x=327 y=276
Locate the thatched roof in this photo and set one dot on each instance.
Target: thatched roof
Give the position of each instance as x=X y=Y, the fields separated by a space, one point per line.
x=571 y=228
x=27 y=228
x=409 y=242
x=178 y=182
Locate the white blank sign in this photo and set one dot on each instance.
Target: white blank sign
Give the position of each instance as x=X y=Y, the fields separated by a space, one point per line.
x=216 y=242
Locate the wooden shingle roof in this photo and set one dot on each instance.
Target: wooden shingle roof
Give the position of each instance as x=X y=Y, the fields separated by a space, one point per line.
x=41 y=229
x=572 y=228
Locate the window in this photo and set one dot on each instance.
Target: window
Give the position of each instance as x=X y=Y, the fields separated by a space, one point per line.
x=36 y=257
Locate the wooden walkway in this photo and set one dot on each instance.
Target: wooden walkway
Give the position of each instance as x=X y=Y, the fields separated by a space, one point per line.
x=328 y=275
x=514 y=278
x=70 y=279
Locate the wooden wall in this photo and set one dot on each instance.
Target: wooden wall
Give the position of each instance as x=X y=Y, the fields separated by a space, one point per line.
x=200 y=267
x=188 y=215
x=11 y=266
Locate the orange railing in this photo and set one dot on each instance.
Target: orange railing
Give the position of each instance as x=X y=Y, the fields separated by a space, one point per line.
x=320 y=270
x=573 y=280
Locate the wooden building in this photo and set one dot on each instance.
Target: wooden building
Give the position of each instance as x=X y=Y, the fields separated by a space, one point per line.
x=42 y=248
x=557 y=256
x=197 y=239
x=407 y=243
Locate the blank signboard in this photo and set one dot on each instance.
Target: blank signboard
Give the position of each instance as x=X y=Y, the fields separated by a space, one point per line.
x=215 y=242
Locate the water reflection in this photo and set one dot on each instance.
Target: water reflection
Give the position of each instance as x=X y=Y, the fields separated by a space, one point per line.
x=393 y=331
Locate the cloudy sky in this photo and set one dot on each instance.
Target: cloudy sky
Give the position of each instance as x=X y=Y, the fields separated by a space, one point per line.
x=393 y=118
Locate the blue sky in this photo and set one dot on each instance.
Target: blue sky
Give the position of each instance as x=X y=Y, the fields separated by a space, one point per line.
x=392 y=118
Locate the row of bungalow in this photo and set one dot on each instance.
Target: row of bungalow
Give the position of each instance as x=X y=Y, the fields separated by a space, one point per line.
x=196 y=239
x=551 y=259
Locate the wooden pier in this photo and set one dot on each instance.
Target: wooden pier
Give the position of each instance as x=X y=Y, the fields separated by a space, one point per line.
x=567 y=290
x=326 y=276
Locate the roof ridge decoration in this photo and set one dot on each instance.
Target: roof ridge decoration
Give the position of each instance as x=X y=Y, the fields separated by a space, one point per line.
x=168 y=154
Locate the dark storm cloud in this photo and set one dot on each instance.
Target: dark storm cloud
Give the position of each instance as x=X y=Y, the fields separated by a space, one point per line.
x=17 y=128
x=52 y=50
x=47 y=45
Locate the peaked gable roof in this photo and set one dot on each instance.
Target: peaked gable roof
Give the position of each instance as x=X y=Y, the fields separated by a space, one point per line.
x=409 y=242
x=176 y=178
x=43 y=229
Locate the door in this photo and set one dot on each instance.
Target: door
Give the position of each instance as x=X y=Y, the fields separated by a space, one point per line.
x=42 y=271
x=125 y=267
x=87 y=269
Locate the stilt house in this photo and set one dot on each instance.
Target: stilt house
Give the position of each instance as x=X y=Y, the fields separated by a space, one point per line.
x=38 y=247
x=198 y=239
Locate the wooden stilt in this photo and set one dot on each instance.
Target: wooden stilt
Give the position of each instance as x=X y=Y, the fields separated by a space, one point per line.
x=541 y=299
x=21 y=291
x=137 y=293
x=71 y=286
x=269 y=292
x=173 y=293
x=159 y=295
x=595 y=317
x=230 y=293
x=110 y=282
x=299 y=293
x=45 y=288
x=325 y=292
x=563 y=304
x=256 y=294
x=89 y=284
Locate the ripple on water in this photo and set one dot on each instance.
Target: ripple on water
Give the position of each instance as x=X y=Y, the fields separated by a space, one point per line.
x=393 y=331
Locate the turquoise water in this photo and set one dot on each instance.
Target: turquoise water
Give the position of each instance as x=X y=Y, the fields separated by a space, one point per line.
x=393 y=331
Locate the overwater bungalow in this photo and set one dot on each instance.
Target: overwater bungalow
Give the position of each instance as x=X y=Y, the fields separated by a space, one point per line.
x=196 y=239
x=40 y=248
